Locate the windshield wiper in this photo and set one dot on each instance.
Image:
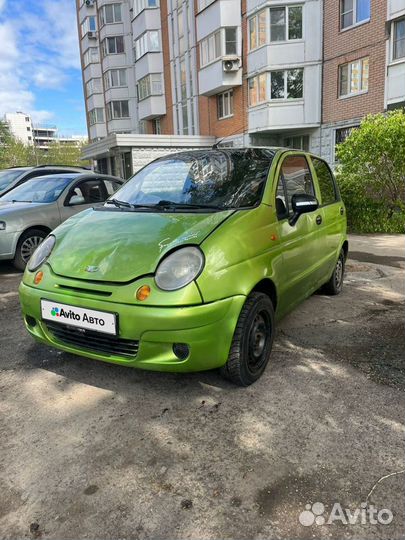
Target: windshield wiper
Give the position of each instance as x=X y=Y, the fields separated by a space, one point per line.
x=119 y=204
x=15 y=200
x=172 y=204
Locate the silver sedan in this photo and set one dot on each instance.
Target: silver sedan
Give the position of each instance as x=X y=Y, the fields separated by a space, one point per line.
x=32 y=210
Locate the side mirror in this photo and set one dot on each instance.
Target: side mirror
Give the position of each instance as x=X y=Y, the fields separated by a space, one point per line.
x=76 y=199
x=302 y=204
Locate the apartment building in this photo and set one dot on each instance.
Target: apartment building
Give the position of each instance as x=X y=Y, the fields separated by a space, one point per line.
x=162 y=75
x=40 y=135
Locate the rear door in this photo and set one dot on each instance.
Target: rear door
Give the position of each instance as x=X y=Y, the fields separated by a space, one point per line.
x=300 y=241
x=84 y=194
x=332 y=212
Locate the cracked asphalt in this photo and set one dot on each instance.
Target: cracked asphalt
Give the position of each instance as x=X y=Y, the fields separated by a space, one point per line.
x=96 y=451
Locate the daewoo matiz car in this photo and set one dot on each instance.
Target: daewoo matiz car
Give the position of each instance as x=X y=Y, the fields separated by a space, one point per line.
x=191 y=262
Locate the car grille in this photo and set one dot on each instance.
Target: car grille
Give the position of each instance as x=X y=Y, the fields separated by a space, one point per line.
x=94 y=341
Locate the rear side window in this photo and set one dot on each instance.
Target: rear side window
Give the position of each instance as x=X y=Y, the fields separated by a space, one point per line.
x=92 y=191
x=296 y=178
x=326 y=182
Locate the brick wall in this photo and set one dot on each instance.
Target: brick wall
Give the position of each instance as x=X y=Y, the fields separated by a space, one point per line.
x=166 y=121
x=340 y=47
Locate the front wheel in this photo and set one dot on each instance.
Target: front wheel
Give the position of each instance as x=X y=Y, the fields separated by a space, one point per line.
x=27 y=244
x=252 y=341
x=335 y=284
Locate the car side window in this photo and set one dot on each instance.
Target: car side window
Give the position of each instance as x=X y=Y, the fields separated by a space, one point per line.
x=88 y=192
x=295 y=178
x=111 y=186
x=326 y=182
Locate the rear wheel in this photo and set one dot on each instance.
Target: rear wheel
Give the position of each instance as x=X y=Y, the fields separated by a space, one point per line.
x=27 y=244
x=335 y=284
x=252 y=341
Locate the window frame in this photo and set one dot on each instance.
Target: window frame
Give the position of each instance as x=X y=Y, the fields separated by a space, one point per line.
x=227 y=95
x=213 y=38
x=96 y=116
x=148 y=84
x=355 y=23
x=394 y=41
x=103 y=17
x=141 y=5
x=108 y=78
x=143 y=43
x=267 y=31
x=349 y=78
x=92 y=90
x=105 y=41
x=110 y=110
x=88 y=59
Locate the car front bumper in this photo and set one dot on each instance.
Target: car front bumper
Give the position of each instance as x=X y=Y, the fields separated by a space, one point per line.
x=206 y=328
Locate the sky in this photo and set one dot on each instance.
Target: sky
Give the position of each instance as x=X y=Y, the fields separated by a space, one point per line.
x=40 y=63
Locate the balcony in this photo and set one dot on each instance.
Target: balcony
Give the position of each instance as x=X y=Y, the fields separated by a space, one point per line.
x=151 y=62
x=217 y=15
x=396 y=8
x=395 y=89
x=148 y=19
x=151 y=107
x=213 y=78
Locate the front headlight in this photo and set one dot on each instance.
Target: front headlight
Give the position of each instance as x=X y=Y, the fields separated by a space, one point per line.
x=41 y=253
x=2 y=225
x=179 y=268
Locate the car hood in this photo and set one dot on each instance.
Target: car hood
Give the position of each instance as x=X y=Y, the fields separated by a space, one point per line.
x=120 y=246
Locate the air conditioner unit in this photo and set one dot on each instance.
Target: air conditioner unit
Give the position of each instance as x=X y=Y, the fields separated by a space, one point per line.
x=231 y=64
x=90 y=2
x=92 y=35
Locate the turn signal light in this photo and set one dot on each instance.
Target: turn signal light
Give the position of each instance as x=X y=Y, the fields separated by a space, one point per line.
x=143 y=292
x=38 y=277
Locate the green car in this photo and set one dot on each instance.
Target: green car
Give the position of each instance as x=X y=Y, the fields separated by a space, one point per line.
x=191 y=263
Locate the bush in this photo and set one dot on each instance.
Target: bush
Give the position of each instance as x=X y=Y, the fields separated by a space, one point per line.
x=371 y=174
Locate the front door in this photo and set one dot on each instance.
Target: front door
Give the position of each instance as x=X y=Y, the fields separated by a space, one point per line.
x=299 y=241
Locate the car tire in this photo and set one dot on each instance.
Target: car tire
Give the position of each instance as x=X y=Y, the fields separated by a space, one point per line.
x=335 y=285
x=252 y=341
x=26 y=246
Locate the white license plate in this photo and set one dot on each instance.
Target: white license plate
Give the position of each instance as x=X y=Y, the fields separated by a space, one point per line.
x=91 y=319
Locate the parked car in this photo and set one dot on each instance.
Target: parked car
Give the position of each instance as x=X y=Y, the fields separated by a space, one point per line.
x=33 y=209
x=194 y=260
x=11 y=178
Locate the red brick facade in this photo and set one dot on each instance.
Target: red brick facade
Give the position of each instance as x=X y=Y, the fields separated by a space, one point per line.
x=365 y=40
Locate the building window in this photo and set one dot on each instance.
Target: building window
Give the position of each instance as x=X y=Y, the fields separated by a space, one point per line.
x=115 y=78
x=285 y=25
x=113 y=45
x=156 y=127
x=151 y=85
x=96 y=116
x=28 y=128
x=111 y=13
x=399 y=40
x=225 y=104
x=91 y=56
x=88 y=25
x=257 y=30
x=231 y=41
x=148 y=42
x=354 y=12
x=117 y=109
x=298 y=142
x=93 y=86
x=287 y=84
x=353 y=77
x=142 y=127
x=140 y=5
x=210 y=48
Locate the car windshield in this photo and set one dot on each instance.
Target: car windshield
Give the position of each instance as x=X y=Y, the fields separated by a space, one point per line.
x=218 y=179
x=8 y=176
x=42 y=189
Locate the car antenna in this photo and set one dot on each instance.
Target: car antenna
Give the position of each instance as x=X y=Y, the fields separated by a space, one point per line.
x=217 y=143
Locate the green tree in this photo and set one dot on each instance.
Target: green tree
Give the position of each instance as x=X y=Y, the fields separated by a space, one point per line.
x=63 y=154
x=371 y=173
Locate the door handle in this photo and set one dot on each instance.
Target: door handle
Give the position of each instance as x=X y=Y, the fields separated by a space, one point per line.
x=318 y=220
